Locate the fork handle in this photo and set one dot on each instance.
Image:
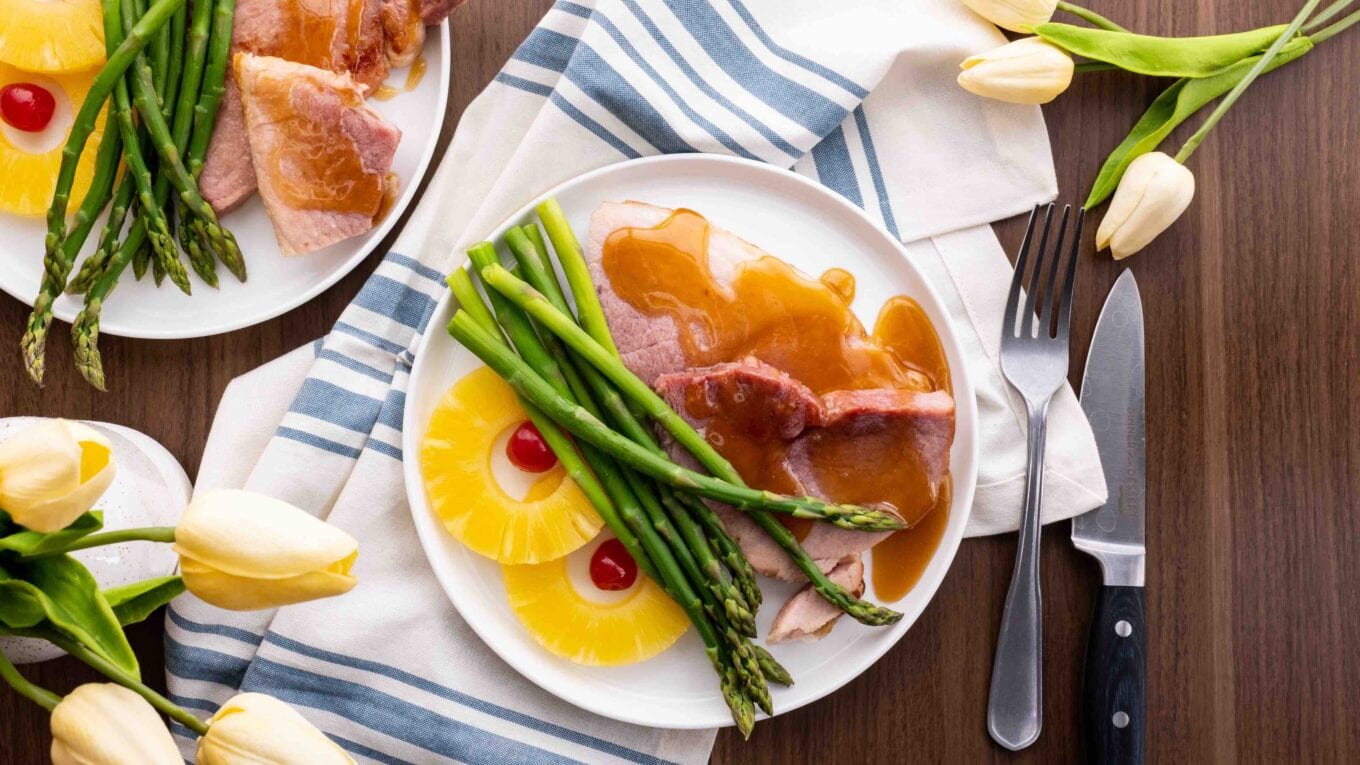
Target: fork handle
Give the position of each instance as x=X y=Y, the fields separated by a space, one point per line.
x=1015 y=704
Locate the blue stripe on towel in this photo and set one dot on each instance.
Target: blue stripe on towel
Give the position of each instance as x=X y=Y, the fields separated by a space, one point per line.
x=485 y=707
x=193 y=663
x=834 y=168
x=537 y=88
x=311 y=439
x=795 y=58
x=875 y=172
x=354 y=365
x=354 y=747
x=794 y=100
x=575 y=9
x=590 y=72
x=416 y=266
x=377 y=341
x=546 y=48
x=770 y=135
x=394 y=717
x=399 y=302
x=339 y=406
x=193 y=703
x=221 y=630
x=718 y=133
x=589 y=124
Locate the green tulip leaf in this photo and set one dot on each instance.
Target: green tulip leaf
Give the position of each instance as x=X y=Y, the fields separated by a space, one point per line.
x=66 y=596
x=7 y=524
x=134 y=602
x=20 y=606
x=1160 y=56
x=29 y=543
x=1175 y=105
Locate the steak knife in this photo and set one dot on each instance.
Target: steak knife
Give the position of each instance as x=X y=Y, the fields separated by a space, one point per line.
x=1113 y=699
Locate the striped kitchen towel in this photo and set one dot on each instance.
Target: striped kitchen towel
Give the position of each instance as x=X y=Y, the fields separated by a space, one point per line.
x=859 y=96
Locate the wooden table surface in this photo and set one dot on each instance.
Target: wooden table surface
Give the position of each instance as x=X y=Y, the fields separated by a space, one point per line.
x=1253 y=439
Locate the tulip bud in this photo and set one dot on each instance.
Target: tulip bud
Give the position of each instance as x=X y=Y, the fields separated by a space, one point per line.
x=1015 y=15
x=107 y=724
x=245 y=551
x=1153 y=193
x=1027 y=71
x=253 y=727
x=52 y=472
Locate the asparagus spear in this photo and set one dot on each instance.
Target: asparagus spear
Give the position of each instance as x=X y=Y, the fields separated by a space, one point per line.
x=672 y=579
x=182 y=125
x=104 y=84
x=108 y=240
x=724 y=490
x=34 y=340
x=532 y=257
x=119 y=21
x=85 y=328
x=592 y=317
x=528 y=246
x=214 y=82
x=461 y=286
x=221 y=239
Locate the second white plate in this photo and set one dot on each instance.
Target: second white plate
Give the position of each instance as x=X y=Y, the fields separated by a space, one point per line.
x=808 y=226
x=276 y=284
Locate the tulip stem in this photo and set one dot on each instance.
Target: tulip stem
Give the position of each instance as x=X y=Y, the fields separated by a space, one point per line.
x=116 y=673
x=1260 y=66
x=1333 y=30
x=1091 y=16
x=1325 y=14
x=40 y=696
x=146 y=534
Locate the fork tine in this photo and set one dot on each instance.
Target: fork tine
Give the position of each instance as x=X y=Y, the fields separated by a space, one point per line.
x=1013 y=298
x=1065 y=315
x=1050 y=298
x=1027 y=318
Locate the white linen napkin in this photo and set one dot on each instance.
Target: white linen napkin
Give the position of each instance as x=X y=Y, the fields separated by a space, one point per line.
x=860 y=97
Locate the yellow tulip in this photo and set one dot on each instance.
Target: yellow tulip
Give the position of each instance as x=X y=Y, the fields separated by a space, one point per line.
x=52 y=472
x=107 y=724
x=1153 y=193
x=256 y=728
x=1015 y=15
x=1027 y=71
x=245 y=551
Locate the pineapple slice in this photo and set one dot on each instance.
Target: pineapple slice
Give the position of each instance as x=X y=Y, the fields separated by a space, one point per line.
x=457 y=459
x=559 y=606
x=29 y=161
x=51 y=35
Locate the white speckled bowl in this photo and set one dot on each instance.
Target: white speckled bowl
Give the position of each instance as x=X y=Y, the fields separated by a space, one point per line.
x=149 y=489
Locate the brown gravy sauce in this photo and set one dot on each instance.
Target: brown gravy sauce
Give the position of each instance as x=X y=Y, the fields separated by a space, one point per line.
x=313 y=170
x=804 y=327
x=386 y=92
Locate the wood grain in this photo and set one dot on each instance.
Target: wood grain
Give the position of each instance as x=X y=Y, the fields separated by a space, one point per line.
x=1253 y=439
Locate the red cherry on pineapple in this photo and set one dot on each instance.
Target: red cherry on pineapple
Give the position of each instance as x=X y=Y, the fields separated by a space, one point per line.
x=611 y=567
x=27 y=107
x=528 y=451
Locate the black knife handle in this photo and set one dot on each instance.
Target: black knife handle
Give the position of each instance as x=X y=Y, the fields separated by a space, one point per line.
x=1114 y=703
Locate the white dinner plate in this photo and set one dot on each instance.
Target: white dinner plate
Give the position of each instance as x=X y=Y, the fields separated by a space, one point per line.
x=276 y=284
x=808 y=226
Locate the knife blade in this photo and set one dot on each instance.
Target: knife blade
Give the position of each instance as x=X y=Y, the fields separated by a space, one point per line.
x=1112 y=396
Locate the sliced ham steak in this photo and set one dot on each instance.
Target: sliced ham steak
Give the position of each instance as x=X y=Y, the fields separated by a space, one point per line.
x=365 y=38
x=760 y=400
x=323 y=155
x=807 y=617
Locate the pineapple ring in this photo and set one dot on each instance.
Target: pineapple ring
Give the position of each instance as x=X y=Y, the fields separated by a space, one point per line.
x=52 y=35
x=29 y=162
x=456 y=462
x=640 y=624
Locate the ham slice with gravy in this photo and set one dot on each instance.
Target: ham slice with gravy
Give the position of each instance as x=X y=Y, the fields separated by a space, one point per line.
x=775 y=408
x=323 y=155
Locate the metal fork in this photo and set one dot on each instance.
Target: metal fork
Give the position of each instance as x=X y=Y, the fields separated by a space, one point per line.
x=1034 y=361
